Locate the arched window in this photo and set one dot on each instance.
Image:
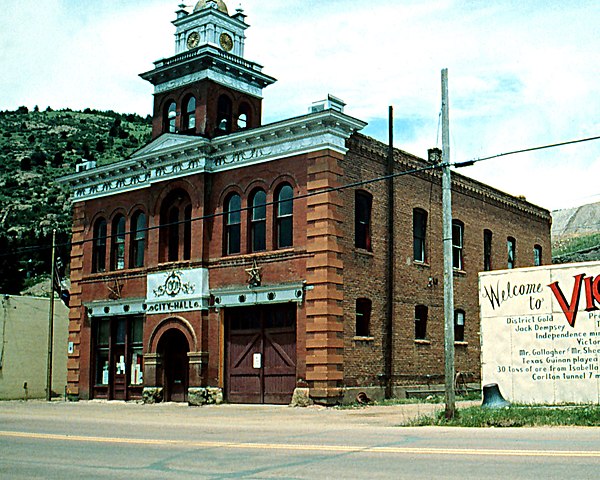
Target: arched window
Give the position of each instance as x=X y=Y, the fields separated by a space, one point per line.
x=284 y=217
x=138 y=240
x=173 y=236
x=175 y=221
x=187 y=232
x=258 y=221
x=459 y=325
x=117 y=257
x=170 y=117
x=224 y=107
x=363 y=202
x=363 y=317
x=99 y=246
x=233 y=221
x=243 y=118
x=419 y=235
x=190 y=114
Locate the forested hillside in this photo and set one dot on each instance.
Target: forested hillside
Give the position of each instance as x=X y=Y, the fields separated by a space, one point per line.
x=36 y=148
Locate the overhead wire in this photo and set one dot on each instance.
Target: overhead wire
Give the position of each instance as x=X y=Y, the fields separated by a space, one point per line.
x=309 y=194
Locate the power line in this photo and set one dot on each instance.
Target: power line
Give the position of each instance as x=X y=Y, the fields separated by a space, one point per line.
x=532 y=149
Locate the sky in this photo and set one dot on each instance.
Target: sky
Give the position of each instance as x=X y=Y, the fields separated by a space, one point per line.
x=522 y=73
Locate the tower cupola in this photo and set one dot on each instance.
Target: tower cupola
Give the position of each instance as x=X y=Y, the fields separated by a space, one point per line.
x=207 y=88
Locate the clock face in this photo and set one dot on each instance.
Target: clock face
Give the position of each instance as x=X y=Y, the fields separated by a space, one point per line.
x=226 y=42
x=193 y=40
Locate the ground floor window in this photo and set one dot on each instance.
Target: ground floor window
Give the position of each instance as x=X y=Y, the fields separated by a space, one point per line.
x=118 y=356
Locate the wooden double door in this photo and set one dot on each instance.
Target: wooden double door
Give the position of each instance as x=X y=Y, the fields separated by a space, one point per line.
x=261 y=354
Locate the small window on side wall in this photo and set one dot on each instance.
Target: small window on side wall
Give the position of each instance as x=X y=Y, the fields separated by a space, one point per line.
x=421 y=312
x=419 y=235
x=537 y=255
x=190 y=114
x=487 y=250
x=363 y=317
x=511 y=245
x=363 y=202
x=458 y=232
x=459 y=325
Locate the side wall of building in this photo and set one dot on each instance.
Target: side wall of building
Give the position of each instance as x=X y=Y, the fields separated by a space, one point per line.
x=420 y=283
x=24 y=347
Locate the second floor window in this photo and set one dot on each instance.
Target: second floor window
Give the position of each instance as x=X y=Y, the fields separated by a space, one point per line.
x=99 y=246
x=233 y=221
x=175 y=227
x=138 y=240
x=458 y=231
x=258 y=221
x=487 y=250
x=284 y=221
x=511 y=245
x=118 y=243
x=419 y=233
x=363 y=202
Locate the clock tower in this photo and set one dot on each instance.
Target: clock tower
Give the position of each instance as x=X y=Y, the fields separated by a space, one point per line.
x=207 y=88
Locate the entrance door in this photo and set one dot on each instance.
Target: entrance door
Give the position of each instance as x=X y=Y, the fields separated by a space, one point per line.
x=261 y=354
x=174 y=349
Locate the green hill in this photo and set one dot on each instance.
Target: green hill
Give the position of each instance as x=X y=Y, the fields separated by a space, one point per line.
x=36 y=148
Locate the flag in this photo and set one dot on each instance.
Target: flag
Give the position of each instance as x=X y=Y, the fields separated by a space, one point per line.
x=60 y=285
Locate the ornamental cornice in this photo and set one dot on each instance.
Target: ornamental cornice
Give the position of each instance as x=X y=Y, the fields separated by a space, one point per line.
x=174 y=156
x=362 y=145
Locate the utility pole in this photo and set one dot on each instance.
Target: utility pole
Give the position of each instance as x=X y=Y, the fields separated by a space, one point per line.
x=448 y=260
x=389 y=323
x=51 y=321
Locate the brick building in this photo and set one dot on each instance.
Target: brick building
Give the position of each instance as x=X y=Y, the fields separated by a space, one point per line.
x=221 y=260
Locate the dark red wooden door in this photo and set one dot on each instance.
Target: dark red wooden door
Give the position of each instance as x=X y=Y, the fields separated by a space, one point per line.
x=261 y=354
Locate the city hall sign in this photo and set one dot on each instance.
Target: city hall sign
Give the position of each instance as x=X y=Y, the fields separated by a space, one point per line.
x=177 y=291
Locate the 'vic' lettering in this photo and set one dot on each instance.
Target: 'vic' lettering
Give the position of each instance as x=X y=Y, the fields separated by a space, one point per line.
x=592 y=295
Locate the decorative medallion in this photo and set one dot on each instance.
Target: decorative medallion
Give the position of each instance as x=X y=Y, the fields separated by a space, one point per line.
x=254 y=274
x=173 y=286
x=115 y=290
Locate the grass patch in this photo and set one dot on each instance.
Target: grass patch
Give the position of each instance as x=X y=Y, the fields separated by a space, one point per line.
x=516 y=416
x=474 y=395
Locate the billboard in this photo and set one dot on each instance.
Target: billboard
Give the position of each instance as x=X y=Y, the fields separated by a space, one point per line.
x=540 y=333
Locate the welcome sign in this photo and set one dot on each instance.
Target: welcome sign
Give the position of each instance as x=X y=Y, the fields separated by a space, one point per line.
x=540 y=333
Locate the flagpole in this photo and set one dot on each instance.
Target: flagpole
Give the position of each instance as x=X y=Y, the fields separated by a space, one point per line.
x=51 y=321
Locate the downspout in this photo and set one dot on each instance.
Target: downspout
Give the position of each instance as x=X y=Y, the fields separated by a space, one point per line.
x=389 y=321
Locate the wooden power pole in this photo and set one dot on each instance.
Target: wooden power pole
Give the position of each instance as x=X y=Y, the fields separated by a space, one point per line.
x=51 y=321
x=448 y=260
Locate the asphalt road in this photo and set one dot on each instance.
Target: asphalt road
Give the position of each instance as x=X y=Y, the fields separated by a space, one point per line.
x=117 y=440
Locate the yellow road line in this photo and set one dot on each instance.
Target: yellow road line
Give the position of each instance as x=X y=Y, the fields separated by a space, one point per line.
x=305 y=448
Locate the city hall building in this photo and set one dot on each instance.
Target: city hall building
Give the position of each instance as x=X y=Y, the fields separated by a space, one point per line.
x=233 y=260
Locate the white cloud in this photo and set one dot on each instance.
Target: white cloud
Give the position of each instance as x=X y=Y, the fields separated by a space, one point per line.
x=521 y=73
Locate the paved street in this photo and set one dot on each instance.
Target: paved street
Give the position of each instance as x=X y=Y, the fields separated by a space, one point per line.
x=117 y=440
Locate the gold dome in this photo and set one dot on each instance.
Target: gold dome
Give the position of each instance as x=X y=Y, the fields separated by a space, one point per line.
x=220 y=5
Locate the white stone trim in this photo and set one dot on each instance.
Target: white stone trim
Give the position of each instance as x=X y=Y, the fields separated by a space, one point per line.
x=263 y=295
x=217 y=77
